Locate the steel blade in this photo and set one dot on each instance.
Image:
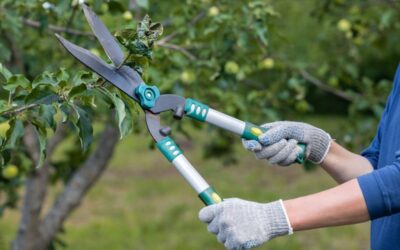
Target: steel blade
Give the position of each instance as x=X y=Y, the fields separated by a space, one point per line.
x=108 y=41
x=124 y=78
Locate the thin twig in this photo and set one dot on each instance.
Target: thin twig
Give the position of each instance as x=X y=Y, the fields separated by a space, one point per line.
x=19 y=110
x=178 y=48
x=55 y=28
x=312 y=79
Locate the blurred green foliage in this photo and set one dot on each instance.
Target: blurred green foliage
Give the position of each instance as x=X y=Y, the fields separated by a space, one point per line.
x=257 y=60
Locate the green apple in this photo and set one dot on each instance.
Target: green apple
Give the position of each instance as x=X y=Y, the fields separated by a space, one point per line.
x=4 y=127
x=231 y=67
x=187 y=76
x=267 y=63
x=127 y=15
x=213 y=11
x=9 y=172
x=344 y=25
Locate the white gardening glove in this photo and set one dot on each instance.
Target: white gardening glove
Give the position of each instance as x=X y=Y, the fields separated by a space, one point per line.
x=278 y=145
x=241 y=224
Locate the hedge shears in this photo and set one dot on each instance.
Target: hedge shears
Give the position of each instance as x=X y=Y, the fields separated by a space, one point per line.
x=153 y=104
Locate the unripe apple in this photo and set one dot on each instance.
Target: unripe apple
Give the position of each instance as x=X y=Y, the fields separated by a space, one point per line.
x=231 y=67
x=9 y=172
x=267 y=63
x=213 y=11
x=127 y=15
x=344 y=25
x=187 y=76
x=4 y=127
x=302 y=106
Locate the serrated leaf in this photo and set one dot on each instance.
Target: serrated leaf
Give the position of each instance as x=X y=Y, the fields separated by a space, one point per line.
x=15 y=133
x=82 y=77
x=46 y=78
x=84 y=126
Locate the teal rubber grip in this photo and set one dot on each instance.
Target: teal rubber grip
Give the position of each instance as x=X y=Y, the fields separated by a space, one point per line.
x=169 y=148
x=196 y=109
x=252 y=132
x=210 y=197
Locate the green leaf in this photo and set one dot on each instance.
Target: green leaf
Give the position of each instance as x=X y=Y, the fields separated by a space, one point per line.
x=5 y=74
x=15 y=133
x=62 y=77
x=123 y=114
x=47 y=113
x=84 y=126
x=65 y=111
x=41 y=133
x=41 y=96
x=16 y=81
x=46 y=78
x=77 y=90
x=83 y=77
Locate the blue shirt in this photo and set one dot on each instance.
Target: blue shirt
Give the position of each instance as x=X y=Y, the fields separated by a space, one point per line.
x=381 y=188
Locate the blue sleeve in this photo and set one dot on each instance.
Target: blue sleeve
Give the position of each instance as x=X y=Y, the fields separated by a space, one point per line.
x=381 y=190
x=372 y=152
x=381 y=187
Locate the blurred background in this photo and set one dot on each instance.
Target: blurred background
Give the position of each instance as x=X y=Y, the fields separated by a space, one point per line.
x=330 y=63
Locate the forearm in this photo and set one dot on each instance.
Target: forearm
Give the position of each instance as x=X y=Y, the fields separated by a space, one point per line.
x=340 y=205
x=344 y=165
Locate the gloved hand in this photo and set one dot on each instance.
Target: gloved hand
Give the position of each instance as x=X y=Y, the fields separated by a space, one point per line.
x=241 y=224
x=279 y=144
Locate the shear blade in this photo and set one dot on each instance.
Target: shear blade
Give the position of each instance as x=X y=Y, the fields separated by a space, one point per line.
x=124 y=78
x=108 y=41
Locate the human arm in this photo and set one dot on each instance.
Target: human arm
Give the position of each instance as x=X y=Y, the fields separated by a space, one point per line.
x=279 y=146
x=241 y=224
x=341 y=205
x=343 y=165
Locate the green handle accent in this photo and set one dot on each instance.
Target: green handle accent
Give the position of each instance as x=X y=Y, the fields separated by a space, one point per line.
x=196 y=109
x=210 y=197
x=251 y=132
x=147 y=95
x=169 y=148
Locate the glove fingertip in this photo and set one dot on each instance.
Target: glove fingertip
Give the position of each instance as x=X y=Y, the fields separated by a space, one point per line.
x=252 y=145
x=207 y=214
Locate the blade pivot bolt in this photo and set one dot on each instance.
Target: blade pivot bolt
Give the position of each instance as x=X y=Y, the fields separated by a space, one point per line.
x=147 y=95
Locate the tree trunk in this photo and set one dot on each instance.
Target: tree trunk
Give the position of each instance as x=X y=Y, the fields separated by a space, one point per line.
x=37 y=234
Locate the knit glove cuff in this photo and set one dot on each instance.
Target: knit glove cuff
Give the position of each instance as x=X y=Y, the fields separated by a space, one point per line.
x=319 y=145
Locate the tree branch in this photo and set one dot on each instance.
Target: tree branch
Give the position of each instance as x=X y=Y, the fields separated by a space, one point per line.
x=55 y=28
x=78 y=185
x=326 y=87
x=177 y=48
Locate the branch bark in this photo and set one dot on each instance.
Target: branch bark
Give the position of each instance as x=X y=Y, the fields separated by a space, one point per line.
x=79 y=184
x=326 y=87
x=36 y=190
x=55 y=28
